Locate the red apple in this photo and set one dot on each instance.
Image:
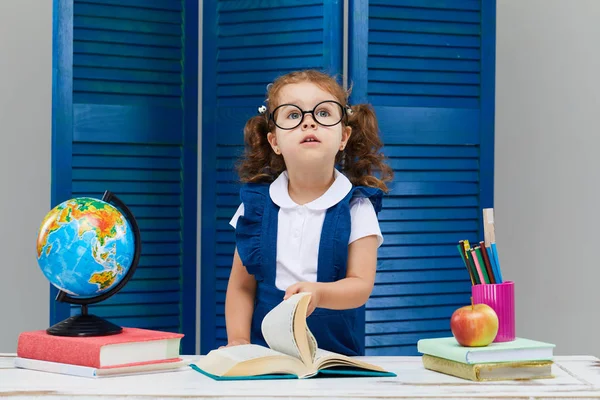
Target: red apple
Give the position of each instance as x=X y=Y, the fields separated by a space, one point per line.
x=475 y=325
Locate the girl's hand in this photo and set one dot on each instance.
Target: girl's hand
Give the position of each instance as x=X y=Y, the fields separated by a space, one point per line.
x=311 y=287
x=236 y=342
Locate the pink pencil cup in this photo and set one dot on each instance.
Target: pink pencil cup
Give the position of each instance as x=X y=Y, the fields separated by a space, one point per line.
x=501 y=297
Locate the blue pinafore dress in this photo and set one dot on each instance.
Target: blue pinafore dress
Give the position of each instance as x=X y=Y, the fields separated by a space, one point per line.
x=256 y=239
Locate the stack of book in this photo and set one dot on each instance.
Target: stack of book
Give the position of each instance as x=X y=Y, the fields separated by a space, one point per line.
x=132 y=351
x=519 y=359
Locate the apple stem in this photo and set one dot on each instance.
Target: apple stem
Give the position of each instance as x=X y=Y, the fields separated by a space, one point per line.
x=472 y=306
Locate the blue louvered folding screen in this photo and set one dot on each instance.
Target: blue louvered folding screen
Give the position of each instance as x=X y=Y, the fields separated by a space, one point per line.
x=428 y=69
x=251 y=43
x=125 y=120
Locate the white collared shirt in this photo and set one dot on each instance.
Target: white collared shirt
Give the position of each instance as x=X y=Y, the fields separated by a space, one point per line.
x=299 y=227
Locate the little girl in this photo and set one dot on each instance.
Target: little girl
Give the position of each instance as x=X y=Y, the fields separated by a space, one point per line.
x=308 y=221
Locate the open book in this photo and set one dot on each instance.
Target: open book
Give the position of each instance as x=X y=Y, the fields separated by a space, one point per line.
x=292 y=353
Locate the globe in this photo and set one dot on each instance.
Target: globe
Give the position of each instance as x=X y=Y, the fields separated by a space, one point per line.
x=87 y=248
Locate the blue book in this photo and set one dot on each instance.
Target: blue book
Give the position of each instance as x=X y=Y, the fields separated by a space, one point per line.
x=520 y=349
x=293 y=352
x=323 y=373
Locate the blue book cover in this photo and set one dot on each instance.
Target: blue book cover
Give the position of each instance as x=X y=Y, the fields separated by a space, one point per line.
x=324 y=373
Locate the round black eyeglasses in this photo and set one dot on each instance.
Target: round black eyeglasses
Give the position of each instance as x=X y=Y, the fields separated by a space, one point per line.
x=290 y=116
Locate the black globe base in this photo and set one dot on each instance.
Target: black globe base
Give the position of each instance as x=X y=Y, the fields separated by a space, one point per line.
x=84 y=325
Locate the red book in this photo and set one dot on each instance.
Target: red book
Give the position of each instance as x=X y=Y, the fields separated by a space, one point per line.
x=131 y=347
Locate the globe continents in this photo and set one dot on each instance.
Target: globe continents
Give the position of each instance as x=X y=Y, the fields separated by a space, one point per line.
x=85 y=247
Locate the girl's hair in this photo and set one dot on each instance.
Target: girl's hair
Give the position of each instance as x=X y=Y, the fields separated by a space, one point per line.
x=359 y=161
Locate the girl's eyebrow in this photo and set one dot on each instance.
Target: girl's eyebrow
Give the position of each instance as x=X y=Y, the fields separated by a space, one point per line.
x=296 y=101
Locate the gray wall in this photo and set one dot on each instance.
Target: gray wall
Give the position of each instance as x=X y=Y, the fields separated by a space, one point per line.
x=547 y=163
x=25 y=127
x=547 y=94
x=25 y=117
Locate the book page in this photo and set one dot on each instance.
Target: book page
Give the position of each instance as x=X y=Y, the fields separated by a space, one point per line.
x=249 y=360
x=321 y=355
x=312 y=345
x=246 y=352
x=327 y=359
x=307 y=344
x=278 y=327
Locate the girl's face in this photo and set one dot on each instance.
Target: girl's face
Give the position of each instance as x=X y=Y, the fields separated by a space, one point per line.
x=310 y=141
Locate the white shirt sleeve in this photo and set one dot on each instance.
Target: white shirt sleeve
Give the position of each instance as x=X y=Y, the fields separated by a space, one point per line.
x=238 y=213
x=364 y=220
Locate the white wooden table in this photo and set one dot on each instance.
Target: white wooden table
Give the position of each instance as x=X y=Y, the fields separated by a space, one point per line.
x=576 y=377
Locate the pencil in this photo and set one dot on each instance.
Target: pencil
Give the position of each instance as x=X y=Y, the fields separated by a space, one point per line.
x=461 y=250
x=477 y=266
x=480 y=263
x=467 y=248
x=495 y=251
x=486 y=261
x=493 y=263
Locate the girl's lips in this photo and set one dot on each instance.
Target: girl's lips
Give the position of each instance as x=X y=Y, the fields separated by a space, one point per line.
x=310 y=139
x=310 y=144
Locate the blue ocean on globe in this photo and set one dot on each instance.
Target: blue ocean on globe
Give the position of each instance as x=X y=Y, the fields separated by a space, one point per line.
x=85 y=247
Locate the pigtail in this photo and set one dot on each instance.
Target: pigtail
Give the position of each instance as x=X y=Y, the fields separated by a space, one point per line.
x=258 y=163
x=361 y=161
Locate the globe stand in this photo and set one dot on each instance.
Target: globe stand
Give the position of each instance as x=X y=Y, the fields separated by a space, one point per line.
x=86 y=324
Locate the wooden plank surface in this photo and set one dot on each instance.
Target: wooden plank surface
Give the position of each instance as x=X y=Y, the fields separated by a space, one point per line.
x=576 y=377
